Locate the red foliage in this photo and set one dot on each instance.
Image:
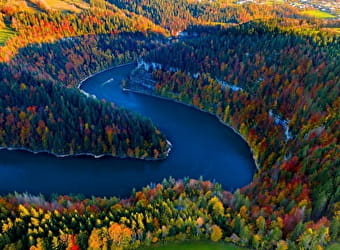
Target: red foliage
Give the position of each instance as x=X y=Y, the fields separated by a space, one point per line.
x=207 y=186
x=74 y=245
x=292 y=219
x=179 y=187
x=322 y=222
x=292 y=165
x=289 y=223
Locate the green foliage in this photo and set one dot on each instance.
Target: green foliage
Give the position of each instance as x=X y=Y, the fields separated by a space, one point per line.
x=317 y=14
x=5 y=34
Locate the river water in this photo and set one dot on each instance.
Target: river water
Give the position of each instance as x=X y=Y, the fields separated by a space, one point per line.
x=202 y=146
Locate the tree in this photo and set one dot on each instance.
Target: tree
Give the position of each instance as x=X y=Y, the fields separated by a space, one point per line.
x=95 y=239
x=216 y=233
x=216 y=206
x=120 y=235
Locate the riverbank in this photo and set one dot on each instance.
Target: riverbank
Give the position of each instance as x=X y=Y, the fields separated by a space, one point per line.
x=144 y=91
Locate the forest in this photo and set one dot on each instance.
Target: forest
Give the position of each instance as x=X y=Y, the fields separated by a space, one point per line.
x=280 y=90
x=270 y=73
x=39 y=114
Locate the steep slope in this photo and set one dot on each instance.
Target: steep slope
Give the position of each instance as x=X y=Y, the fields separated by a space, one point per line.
x=41 y=26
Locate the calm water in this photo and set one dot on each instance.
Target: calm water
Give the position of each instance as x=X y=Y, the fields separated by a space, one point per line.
x=201 y=147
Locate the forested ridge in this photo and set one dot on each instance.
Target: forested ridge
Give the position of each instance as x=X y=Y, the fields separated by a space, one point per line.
x=41 y=26
x=275 y=80
x=181 y=13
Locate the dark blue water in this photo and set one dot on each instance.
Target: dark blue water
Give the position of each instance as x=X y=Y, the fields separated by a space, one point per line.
x=202 y=146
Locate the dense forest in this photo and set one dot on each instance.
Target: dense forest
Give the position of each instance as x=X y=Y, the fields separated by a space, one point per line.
x=181 y=13
x=270 y=72
x=280 y=90
x=170 y=211
x=41 y=115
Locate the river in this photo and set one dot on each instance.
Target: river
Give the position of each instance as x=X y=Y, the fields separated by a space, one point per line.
x=202 y=146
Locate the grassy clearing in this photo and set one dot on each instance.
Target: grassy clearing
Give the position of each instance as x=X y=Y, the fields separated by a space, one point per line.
x=317 y=14
x=195 y=245
x=68 y=5
x=334 y=246
x=5 y=34
x=271 y=2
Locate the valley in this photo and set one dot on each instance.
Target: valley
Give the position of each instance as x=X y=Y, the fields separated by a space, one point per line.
x=144 y=124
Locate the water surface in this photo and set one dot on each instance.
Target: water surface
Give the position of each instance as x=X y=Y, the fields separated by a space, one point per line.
x=202 y=146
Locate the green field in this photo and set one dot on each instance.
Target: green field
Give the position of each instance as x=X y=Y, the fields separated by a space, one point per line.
x=67 y=5
x=317 y=14
x=5 y=34
x=195 y=245
x=334 y=246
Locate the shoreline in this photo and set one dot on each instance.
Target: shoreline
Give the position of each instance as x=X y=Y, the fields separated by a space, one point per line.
x=61 y=156
x=196 y=108
x=99 y=72
x=137 y=92
x=169 y=144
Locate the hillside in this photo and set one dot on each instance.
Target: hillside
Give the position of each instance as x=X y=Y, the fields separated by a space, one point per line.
x=29 y=123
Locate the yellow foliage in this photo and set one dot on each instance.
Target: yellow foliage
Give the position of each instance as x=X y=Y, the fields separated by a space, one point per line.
x=303 y=203
x=260 y=223
x=34 y=212
x=217 y=205
x=39 y=246
x=120 y=235
x=18 y=220
x=282 y=245
x=257 y=237
x=216 y=233
x=278 y=223
x=56 y=213
x=35 y=221
x=243 y=211
x=23 y=86
x=95 y=240
x=6 y=227
x=23 y=211
x=256 y=240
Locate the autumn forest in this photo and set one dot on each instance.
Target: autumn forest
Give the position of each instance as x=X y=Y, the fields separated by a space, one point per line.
x=266 y=69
